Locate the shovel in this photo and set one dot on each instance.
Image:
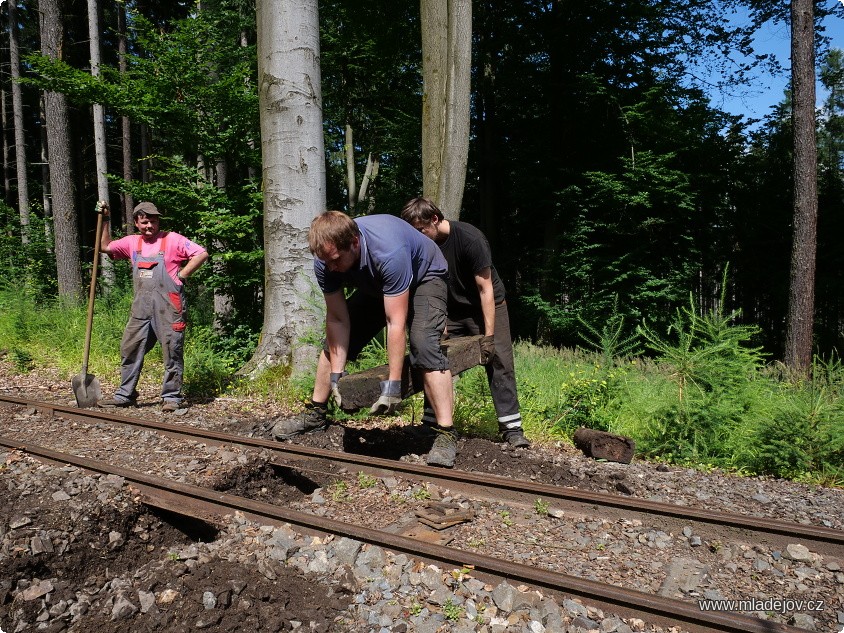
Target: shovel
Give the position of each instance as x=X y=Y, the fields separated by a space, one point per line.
x=86 y=387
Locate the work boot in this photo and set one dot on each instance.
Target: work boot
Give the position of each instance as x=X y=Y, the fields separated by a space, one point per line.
x=111 y=403
x=515 y=438
x=444 y=451
x=170 y=406
x=313 y=418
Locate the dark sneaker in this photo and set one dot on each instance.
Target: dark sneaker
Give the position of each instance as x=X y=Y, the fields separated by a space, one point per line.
x=444 y=451
x=170 y=406
x=515 y=438
x=313 y=418
x=423 y=431
x=110 y=403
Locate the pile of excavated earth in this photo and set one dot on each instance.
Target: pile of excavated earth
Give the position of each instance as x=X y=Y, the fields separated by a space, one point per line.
x=81 y=552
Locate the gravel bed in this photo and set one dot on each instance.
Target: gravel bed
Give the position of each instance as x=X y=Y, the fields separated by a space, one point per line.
x=80 y=553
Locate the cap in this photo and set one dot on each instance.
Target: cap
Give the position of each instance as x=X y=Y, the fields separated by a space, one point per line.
x=147 y=208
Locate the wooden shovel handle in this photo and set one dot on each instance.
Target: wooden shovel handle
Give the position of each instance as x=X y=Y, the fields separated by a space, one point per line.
x=92 y=292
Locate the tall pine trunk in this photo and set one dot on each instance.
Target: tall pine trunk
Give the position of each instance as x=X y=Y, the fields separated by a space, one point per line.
x=801 y=303
x=17 y=115
x=65 y=220
x=4 y=119
x=293 y=158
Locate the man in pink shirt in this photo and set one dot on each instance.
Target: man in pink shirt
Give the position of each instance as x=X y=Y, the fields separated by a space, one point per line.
x=161 y=261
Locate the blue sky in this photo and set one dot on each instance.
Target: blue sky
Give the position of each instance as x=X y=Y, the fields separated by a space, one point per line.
x=768 y=91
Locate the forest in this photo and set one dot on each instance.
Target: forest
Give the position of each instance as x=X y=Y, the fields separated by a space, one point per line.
x=608 y=184
x=648 y=240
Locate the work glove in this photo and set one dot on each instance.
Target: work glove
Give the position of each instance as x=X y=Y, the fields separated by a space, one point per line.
x=389 y=399
x=102 y=207
x=335 y=389
x=487 y=349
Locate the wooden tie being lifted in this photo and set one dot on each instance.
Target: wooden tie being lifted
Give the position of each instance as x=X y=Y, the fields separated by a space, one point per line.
x=363 y=388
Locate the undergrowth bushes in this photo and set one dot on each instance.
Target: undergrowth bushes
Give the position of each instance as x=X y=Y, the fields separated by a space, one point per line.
x=704 y=395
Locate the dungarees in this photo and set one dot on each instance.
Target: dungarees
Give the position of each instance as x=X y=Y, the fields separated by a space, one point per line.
x=158 y=314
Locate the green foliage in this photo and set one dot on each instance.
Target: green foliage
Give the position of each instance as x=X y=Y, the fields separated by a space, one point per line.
x=610 y=339
x=27 y=267
x=366 y=481
x=798 y=434
x=340 y=491
x=193 y=85
x=227 y=222
x=708 y=358
x=706 y=399
x=452 y=612
x=371 y=80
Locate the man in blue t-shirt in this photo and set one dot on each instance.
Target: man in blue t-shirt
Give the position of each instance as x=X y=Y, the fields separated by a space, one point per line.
x=400 y=279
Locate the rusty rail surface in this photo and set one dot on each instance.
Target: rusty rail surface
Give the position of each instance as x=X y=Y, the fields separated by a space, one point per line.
x=197 y=502
x=485 y=485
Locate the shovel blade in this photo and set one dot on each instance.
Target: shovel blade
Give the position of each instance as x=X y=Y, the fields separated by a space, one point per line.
x=87 y=390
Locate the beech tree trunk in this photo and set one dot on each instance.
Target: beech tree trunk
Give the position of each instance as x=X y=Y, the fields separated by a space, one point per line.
x=65 y=218
x=293 y=158
x=106 y=267
x=801 y=304
x=446 y=71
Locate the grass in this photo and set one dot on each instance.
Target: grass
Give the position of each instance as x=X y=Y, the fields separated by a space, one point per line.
x=703 y=400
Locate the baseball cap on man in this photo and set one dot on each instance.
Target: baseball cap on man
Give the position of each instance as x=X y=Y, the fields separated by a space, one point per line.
x=147 y=208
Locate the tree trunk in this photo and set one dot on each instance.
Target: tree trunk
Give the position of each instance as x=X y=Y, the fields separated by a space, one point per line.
x=293 y=158
x=368 y=176
x=17 y=114
x=223 y=304
x=125 y=125
x=801 y=304
x=58 y=147
x=351 y=179
x=7 y=184
x=46 y=194
x=446 y=71
x=145 y=160
x=99 y=133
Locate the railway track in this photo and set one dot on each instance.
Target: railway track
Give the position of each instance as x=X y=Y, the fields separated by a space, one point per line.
x=203 y=503
x=481 y=485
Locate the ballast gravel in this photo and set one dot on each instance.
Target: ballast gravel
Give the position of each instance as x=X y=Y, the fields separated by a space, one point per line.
x=79 y=552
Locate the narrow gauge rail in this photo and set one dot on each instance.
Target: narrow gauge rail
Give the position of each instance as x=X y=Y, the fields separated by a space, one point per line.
x=826 y=540
x=199 y=502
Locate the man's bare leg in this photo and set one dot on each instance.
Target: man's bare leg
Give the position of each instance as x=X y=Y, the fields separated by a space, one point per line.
x=322 y=380
x=440 y=392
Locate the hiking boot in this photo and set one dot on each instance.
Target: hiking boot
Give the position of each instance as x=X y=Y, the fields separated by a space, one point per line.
x=169 y=406
x=515 y=438
x=111 y=403
x=313 y=418
x=444 y=451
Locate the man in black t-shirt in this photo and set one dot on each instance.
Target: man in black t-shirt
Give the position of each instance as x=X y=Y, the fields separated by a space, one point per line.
x=476 y=305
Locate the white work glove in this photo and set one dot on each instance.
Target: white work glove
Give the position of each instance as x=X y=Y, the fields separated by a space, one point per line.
x=389 y=399
x=335 y=388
